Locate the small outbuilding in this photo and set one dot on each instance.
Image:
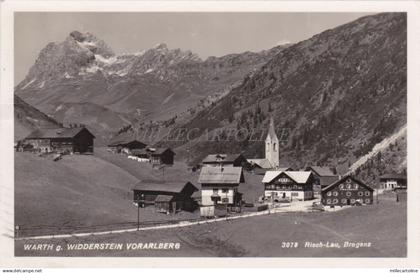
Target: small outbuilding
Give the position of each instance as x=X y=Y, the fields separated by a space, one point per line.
x=393 y=181
x=166 y=196
x=347 y=191
x=161 y=156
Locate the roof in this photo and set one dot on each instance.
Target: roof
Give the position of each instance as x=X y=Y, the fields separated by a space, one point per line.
x=221 y=175
x=393 y=176
x=221 y=158
x=151 y=151
x=271 y=130
x=139 y=152
x=161 y=186
x=163 y=198
x=196 y=195
x=328 y=180
x=261 y=162
x=300 y=177
x=342 y=180
x=321 y=171
x=57 y=133
x=159 y=151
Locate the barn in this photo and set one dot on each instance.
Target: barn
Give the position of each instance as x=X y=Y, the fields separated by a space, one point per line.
x=166 y=196
x=288 y=185
x=323 y=177
x=347 y=191
x=61 y=140
x=125 y=144
x=156 y=156
x=219 y=185
x=161 y=156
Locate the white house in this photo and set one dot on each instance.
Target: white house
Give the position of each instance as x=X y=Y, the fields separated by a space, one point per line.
x=219 y=185
x=288 y=185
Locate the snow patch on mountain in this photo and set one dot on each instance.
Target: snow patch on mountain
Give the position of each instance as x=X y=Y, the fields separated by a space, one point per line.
x=93 y=69
x=140 y=53
x=106 y=61
x=378 y=148
x=29 y=83
x=59 y=107
x=168 y=98
x=86 y=44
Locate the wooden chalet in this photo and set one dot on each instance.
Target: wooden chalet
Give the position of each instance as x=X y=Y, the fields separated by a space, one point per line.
x=323 y=177
x=219 y=185
x=165 y=196
x=61 y=140
x=125 y=144
x=216 y=160
x=156 y=156
x=393 y=181
x=161 y=156
x=288 y=185
x=347 y=191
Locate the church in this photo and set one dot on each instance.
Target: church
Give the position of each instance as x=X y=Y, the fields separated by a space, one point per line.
x=271 y=160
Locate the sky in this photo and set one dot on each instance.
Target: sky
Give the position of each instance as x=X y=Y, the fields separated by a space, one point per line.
x=206 y=34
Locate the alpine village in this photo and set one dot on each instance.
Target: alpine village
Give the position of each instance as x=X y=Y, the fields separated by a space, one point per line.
x=229 y=156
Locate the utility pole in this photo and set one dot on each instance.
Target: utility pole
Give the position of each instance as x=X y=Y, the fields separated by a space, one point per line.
x=138 y=215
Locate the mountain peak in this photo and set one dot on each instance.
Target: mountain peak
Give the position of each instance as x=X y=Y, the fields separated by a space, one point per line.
x=78 y=36
x=161 y=46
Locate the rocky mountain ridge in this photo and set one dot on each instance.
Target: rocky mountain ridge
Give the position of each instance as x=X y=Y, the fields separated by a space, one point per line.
x=155 y=84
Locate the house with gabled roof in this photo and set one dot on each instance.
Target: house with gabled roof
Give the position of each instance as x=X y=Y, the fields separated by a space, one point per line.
x=288 y=185
x=156 y=156
x=393 y=181
x=216 y=160
x=323 y=177
x=166 y=196
x=125 y=144
x=219 y=185
x=61 y=140
x=347 y=191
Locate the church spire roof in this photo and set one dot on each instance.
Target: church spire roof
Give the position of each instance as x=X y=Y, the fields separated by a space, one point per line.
x=271 y=130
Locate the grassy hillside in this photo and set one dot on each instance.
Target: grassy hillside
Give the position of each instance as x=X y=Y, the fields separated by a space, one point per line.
x=79 y=192
x=263 y=236
x=391 y=158
x=28 y=119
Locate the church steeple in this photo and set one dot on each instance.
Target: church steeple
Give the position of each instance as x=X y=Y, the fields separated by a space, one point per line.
x=272 y=145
